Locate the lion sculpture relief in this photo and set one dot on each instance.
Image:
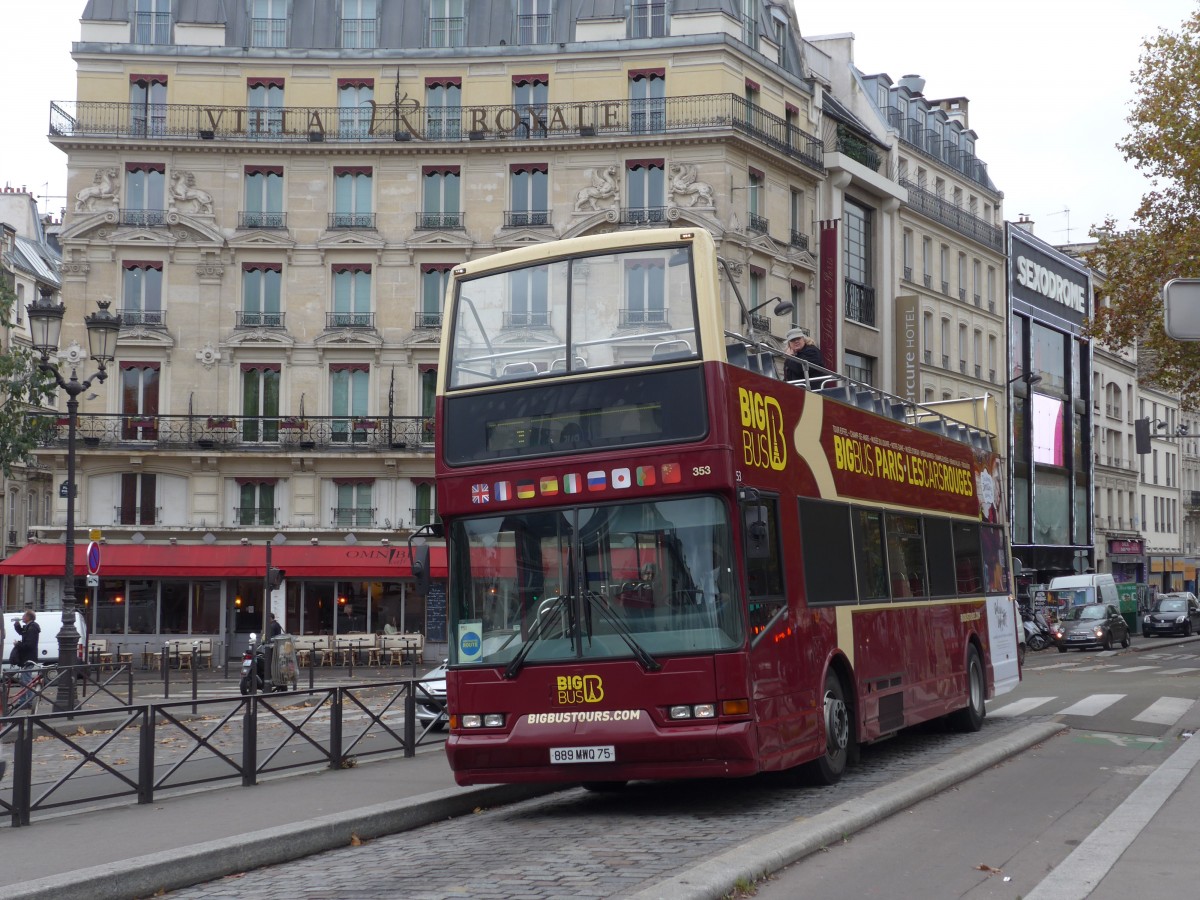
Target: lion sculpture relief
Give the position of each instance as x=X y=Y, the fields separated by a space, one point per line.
x=184 y=193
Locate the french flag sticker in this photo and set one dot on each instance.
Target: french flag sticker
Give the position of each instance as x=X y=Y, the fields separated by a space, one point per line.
x=621 y=479
x=503 y=490
x=597 y=481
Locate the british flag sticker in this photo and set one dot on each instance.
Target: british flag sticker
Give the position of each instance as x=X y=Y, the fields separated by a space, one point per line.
x=481 y=493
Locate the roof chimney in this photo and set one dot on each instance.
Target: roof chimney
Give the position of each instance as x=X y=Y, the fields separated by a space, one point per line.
x=914 y=83
x=1024 y=222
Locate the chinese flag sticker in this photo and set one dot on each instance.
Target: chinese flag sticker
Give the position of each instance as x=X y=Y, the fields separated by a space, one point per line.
x=671 y=473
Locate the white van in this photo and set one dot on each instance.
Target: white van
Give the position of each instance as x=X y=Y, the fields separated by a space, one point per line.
x=1067 y=591
x=51 y=621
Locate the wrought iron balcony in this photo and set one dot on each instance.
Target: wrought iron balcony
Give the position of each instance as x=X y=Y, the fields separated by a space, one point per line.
x=255 y=515
x=926 y=142
x=363 y=320
x=758 y=223
x=258 y=319
x=262 y=220
x=423 y=515
x=524 y=219
x=143 y=218
x=253 y=434
x=338 y=220
x=137 y=515
x=845 y=141
x=1193 y=499
x=799 y=240
x=145 y=318
x=760 y=322
x=632 y=317
x=448 y=220
x=908 y=273
x=427 y=320
x=643 y=215
x=361 y=517
x=950 y=215
x=860 y=302
x=174 y=122
x=526 y=319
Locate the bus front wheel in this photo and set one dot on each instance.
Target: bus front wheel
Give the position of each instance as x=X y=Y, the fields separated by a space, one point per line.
x=839 y=732
x=970 y=717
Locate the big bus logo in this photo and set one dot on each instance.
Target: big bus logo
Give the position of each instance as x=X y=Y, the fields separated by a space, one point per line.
x=763 y=444
x=570 y=690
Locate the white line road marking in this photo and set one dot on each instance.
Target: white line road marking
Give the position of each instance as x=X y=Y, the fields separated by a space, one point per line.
x=1094 y=668
x=1019 y=707
x=1182 y=670
x=1164 y=710
x=1135 y=669
x=1090 y=706
x=1062 y=665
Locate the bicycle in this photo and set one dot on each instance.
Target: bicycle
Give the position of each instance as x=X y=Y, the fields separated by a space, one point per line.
x=30 y=681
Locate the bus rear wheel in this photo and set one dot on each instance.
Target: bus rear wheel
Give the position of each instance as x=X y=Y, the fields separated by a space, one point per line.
x=970 y=717
x=839 y=732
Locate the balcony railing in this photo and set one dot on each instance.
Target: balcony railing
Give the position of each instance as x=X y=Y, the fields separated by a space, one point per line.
x=533 y=29
x=136 y=515
x=860 y=302
x=430 y=220
x=844 y=140
x=146 y=318
x=351 y=220
x=948 y=214
x=427 y=320
x=259 y=319
x=632 y=317
x=262 y=220
x=1193 y=498
x=702 y=113
x=143 y=218
x=523 y=219
x=358 y=34
x=643 y=215
x=926 y=142
x=799 y=240
x=354 y=516
x=758 y=223
x=423 y=515
x=254 y=434
x=446 y=31
x=268 y=32
x=526 y=319
x=349 y=320
x=255 y=515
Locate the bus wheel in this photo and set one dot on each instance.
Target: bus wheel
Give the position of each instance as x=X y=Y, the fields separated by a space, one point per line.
x=828 y=768
x=970 y=717
x=604 y=787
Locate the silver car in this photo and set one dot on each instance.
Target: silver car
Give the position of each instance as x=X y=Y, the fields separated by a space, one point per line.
x=431 y=699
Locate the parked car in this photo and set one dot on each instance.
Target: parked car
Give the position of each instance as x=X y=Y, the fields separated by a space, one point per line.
x=1091 y=625
x=431 y=699
x=1174 y=613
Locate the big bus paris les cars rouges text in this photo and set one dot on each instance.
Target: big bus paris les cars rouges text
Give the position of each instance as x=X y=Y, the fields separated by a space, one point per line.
x=664 y=561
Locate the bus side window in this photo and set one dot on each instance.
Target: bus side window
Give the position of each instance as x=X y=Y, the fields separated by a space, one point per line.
x=827 y=547
x=764 y=566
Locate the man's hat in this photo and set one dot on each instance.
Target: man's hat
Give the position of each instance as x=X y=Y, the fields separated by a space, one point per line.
x=798 y=333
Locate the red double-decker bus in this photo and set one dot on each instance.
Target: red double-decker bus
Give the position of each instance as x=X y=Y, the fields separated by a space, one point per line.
x=667 y=562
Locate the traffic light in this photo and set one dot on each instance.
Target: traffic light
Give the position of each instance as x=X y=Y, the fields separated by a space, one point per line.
x=1141 y=435
x=275 y=578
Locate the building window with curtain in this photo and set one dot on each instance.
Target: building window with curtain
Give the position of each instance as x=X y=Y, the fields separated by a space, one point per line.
x=529 y=187
x=441 y=198
x=428 y=395
x=268 y=23
x=262 y=284
x=647 y=18
x=645 y=187
x=144 y=192
x=443 y=109
x=529 y=298
x=152 y=22
x=256 y=502
x=351 y=296
x=148 y=105
x=141 y=293
x=355 y=504
x=260 y=402
x=425 y=512
x=139 y=500
x=139 y=401
x=359 y=26
x=264 y=96
x=349 y=395
x=434 y=279
x=645 y=293
x=263 y=197
x=447 y=23
x=355 y=107
x=647 y=101
x=533 y=22
x=856 y=258
x=531 y=94
x=353 y=193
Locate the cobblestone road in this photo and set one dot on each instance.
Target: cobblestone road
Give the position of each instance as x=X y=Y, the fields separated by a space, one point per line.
x=577 y=844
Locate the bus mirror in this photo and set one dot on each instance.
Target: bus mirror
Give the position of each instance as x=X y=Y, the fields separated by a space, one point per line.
x=758 y=533
x=420 y=568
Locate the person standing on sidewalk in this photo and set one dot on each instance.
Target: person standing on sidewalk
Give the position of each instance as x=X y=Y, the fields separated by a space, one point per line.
x=26 y=650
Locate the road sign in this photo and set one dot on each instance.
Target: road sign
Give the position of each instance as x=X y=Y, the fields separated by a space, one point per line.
x=93 y=581
x=93 y=558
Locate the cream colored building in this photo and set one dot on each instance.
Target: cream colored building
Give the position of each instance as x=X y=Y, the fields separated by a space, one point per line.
x=272 y=194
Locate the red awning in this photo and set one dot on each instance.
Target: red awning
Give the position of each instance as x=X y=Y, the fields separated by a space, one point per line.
x=345 y=561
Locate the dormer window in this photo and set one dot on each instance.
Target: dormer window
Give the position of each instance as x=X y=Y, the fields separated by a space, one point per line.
x=152 y=22
x=647 y=18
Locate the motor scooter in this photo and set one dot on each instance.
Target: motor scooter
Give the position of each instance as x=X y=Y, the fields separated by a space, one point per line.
x=269 y=666
x=1037 y=631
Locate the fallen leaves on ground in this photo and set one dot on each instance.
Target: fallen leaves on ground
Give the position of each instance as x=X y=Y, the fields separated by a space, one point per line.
x=991 y=870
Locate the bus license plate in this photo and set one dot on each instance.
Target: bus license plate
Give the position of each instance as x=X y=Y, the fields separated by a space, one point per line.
x=583 y=754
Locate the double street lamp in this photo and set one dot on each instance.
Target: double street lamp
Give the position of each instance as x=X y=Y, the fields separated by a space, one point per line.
x=45 y=324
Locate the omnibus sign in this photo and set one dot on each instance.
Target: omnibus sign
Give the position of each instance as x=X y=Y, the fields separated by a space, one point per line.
x=667 y=562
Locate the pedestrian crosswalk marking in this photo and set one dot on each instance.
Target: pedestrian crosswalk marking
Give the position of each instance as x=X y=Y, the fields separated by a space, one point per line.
x=1019 y=707
x=1164 y=711
x=1091 y=705
x=1062 y=665
x=1135 y=669
x=1093 y=668
x=1183 y=670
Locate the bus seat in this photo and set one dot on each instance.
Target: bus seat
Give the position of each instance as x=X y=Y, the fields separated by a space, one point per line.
x=898 y=410
x=737 y=355
x=766 y=364
x=836 y=392
x=519 y=368
x=560 y=364
x=867 y=400
x=677 y=349
x=938 y=425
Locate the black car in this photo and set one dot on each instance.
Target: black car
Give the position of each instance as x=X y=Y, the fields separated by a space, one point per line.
x=1091 y=625
x=1174 y=613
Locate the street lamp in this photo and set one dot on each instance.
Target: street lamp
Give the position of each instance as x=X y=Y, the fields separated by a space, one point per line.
x=1030 y=378
x=45 y=324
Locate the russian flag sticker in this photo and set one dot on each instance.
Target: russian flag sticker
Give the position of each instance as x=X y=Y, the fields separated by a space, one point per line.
x=597 y=481
x=621 y=478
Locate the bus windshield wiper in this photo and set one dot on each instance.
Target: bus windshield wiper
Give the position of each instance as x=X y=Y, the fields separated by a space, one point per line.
x=545 y=612
x=649 y=663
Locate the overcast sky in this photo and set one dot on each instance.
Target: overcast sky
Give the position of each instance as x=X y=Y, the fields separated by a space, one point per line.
x=1048 y=83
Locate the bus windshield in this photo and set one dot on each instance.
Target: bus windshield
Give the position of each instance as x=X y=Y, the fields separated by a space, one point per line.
x=604 y=311
x=590 y=582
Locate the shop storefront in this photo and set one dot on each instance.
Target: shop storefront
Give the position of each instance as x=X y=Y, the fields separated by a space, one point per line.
x=1126 y=560
x=151 y=593
x=1050 y=410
